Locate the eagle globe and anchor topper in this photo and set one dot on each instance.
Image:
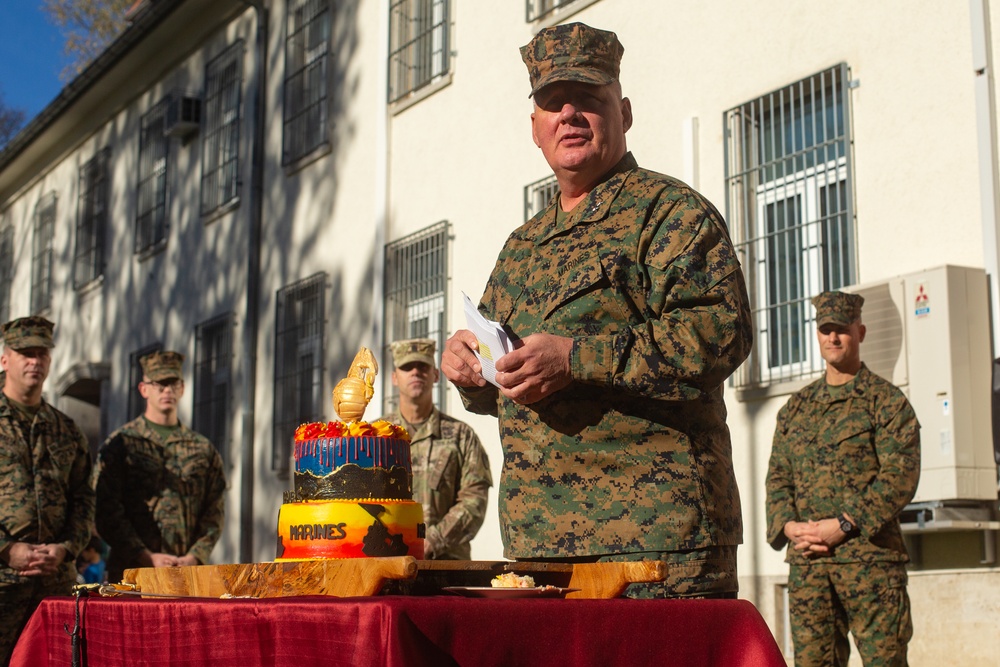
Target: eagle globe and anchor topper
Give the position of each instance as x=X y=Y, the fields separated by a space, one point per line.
x=353 y=482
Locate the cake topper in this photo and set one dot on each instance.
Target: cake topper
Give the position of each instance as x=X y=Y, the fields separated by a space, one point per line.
x=351 y=395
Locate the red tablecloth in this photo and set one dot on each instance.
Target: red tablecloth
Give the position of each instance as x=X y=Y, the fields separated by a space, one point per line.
x=396 y=630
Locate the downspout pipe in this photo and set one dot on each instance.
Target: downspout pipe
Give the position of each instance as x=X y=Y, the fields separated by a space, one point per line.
x=248 y=393
x=986 y=129
x=382 y=183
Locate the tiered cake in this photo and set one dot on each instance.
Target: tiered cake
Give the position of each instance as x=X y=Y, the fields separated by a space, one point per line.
x=353 y=483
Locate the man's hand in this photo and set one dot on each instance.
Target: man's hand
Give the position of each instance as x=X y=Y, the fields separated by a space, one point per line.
x=814 y=538
x=163 y=560
x=458 y=360
x=156 y=559
x=35 y=560
x=186 y=560
x=539 y=368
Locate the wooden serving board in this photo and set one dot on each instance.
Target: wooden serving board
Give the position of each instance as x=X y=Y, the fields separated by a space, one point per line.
x=341 y=578
x=356 y=577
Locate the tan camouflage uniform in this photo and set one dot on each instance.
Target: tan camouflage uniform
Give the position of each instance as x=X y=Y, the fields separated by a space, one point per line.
x=634 y=456
x=46 y=497
x=166 y=497
x=852 y=449
x=451 y=479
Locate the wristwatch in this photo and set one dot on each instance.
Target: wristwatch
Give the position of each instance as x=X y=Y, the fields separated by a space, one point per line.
x=846 y=525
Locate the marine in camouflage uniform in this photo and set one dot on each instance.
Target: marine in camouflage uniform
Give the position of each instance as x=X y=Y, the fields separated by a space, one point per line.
x=625 y=454
x=451 y=471
x=46 y=483
x=160 y=491
x=845 y=461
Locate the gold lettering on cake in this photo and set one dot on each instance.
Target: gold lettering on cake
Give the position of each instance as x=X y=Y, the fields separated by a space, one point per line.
x=317 y=531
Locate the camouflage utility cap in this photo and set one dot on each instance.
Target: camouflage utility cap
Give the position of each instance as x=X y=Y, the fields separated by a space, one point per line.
x=162 y=365
x=415 y=349
x=837 y=308
x=572 y=52
x=25 y=332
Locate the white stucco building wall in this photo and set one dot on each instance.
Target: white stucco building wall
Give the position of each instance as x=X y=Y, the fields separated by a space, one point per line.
x=459 y=150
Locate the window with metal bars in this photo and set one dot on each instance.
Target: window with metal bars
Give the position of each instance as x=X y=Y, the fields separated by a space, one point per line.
x=220 y=152
x=416 y=298
x=537 y=195
x=6 y=269
x=41 y=254
x=151 y=211
x=213 y=381
x=419 y=46
x=790 y=207
x=307 y=77
x=300 y=339
x=136 y=403
x=539 y=9
x=92 y=219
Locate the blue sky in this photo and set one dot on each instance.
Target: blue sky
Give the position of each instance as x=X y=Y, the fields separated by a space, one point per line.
x=31 y=56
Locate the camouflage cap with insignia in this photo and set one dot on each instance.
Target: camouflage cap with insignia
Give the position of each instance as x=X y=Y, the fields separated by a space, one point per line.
x=572 y=52
x=837 y=308
x=415 y=349
x=25 y=332
x=162 y=365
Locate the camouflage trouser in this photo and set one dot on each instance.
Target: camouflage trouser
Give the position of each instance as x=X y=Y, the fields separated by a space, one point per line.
x=869 y=599
x=17 y=603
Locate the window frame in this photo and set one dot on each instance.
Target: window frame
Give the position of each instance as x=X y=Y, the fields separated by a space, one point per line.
x=544 y=13
x=290 y=410
x=220 y=154
x=151 y=220
x=421 y=56
x=92 y=219
x=43 y=236
x=213 y=382
x=793 y=144
x=6 y=269
x=538 y=195
x=308 y=47
x=415 y=291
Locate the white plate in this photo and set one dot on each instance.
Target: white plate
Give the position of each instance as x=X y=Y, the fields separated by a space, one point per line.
x=499 y=593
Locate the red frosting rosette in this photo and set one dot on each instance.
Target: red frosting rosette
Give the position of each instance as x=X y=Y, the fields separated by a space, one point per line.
x=356 y=429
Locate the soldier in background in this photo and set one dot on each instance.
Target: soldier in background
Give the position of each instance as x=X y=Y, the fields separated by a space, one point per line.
x=46 y=483
x=845 y=461
x=451 y=472
x=160 y=490
x=629 y=310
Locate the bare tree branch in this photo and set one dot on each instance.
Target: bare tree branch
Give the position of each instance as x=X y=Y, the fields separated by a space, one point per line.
x=89 y=26
x=11 y=120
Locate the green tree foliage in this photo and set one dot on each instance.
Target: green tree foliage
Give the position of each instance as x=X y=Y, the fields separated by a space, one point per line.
x=11 y=120
x=89 y=26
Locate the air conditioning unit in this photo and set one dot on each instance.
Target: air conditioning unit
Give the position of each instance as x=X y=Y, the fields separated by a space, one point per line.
x=929 y=334
x=182 y=116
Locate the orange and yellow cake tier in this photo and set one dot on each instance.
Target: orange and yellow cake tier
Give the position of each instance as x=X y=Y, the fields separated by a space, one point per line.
x=353 y=494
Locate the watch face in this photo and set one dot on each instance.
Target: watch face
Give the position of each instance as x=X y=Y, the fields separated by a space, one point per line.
x=846 y=525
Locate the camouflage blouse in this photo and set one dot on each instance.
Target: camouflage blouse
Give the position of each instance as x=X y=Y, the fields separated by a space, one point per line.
x=46 y=485
x=634 y=455
x=165 y=496
x=855 y=450
x=452 y=480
